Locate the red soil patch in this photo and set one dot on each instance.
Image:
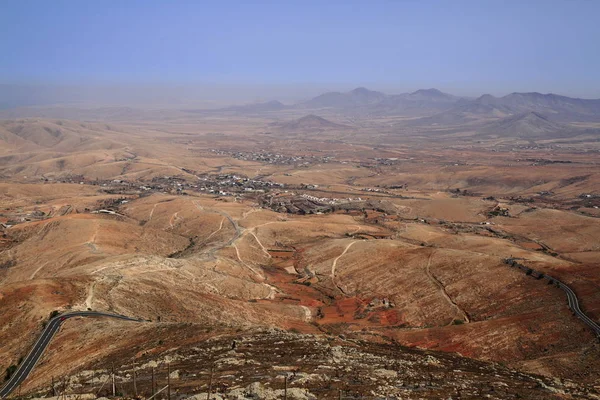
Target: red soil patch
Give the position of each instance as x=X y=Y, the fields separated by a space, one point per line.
x=281 y=254
x=530 y=246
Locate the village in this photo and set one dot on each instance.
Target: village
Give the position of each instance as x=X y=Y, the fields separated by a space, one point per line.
x=274 y=158
x=294 y=203
x=217 y=184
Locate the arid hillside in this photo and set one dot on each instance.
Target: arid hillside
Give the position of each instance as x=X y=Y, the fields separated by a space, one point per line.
x=359 y=237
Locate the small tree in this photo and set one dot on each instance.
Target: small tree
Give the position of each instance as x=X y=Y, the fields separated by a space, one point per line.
x=9 y=372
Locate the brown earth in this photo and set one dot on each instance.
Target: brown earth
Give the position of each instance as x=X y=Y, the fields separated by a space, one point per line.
x=424 y=269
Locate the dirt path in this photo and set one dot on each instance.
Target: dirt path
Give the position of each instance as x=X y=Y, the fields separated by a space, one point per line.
x=173 y=219
x=197 y=204
x=263 y=248
x=246 y=213
x=37 y=270
x=357 y=229
x=215 y=232
x=90 y=297
x=237 y=252
x=238 y=232
x=237 y=235
x=92 y=242
x=266 y=223
x=152 y=212
x=334 y=264
x=443 y=291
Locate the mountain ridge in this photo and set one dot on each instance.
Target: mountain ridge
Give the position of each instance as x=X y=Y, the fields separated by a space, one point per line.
x=528 y=125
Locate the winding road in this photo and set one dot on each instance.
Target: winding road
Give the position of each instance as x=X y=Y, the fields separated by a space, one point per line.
x=572 y=300
x=27 y=365
x=574 y=306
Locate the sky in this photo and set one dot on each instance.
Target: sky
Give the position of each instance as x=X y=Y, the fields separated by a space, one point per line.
x=463 y=47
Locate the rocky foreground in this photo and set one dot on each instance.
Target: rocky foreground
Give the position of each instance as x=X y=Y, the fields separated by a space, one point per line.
x=260 y=365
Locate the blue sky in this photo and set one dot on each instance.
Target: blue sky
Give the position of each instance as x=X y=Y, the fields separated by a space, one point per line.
x=468 y=47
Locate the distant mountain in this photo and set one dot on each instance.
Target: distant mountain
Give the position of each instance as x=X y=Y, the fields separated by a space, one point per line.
x=273 y=105
x=309 y=122
x=362 y=100
x=548 y=106
x=555 y=107
x=422 y=101
x=432 y=105
x=529 y=125
x=358 y=97
x=437 y=107
x=432 y=95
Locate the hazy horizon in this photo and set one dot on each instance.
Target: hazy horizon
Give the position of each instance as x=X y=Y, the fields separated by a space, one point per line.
x=176 y=96
x=146 y=52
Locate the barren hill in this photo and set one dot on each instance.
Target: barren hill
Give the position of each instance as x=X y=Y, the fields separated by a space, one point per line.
x=309 y=122
x=555 y=107
x=58 y=149
x=35 y=134
x=336 y=368
x=459 y=115
x=61 y=136
x=528 y=125
x=358 y=97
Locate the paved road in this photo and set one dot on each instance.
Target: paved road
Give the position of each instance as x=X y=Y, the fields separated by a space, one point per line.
x=25 y=368
x=572 y=300
x=574 y=306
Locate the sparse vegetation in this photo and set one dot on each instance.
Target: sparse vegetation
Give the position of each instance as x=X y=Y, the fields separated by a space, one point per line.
x=9 y=372
x=7 y=264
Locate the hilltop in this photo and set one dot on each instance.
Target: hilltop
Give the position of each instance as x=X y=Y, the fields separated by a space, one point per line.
x=309 y=122
x=310 y=367
x=358 y=97
x=529 y=125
